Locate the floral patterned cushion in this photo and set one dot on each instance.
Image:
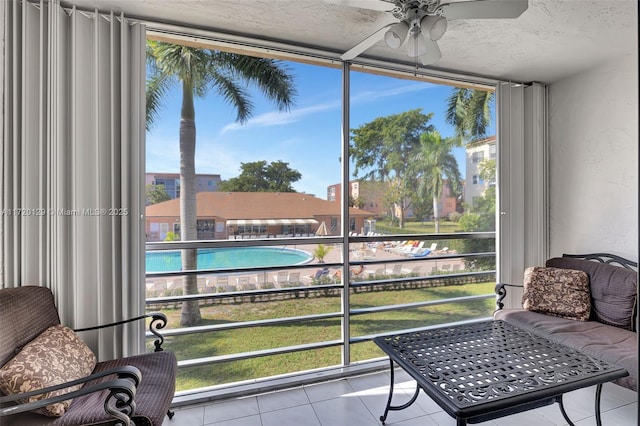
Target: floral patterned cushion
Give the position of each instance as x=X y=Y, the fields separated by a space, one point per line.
x=56 y=356
x=559 y=292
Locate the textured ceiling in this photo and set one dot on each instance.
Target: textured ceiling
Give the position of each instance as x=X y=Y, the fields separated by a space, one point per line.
x=551 y=40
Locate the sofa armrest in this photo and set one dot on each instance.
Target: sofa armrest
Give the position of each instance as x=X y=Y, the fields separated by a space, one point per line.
x=121 y=391
x=158 y=322
x=501 y=293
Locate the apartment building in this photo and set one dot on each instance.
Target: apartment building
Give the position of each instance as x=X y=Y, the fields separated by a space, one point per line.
x=477 y=152
x=171 y=182
x=371 y=194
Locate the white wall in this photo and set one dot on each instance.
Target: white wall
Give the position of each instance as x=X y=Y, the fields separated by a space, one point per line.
x=593 y=161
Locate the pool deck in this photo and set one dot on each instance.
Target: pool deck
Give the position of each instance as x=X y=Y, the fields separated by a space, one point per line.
x=217 y=283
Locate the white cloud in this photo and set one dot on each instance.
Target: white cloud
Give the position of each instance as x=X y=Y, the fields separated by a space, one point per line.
x=372 y=95
x=280 y=118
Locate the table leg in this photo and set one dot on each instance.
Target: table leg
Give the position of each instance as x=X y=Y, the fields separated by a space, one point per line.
x=598 y=395
x=597 y=407
x=564 y=413
x=390 y=407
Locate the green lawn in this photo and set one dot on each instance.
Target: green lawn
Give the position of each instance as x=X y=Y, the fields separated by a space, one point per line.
x=266 y=337
x=416 y=227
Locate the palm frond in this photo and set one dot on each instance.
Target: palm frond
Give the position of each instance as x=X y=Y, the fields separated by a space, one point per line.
x=479 y=113
x=273 y=78
x=157 y=86
x=456 y=111
x=234 y=94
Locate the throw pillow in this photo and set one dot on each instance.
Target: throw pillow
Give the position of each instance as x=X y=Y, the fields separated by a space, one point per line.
x=559 y=292
x=56 y=356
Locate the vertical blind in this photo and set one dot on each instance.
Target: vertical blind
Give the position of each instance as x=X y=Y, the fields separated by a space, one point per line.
x=522 y=182
x=72 y=165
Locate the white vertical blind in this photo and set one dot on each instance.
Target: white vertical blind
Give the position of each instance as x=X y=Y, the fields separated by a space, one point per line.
x=72 y=165
x=522 y=183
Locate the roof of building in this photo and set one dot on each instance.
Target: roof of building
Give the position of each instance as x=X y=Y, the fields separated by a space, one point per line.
x=484 y=141
x=254 y=205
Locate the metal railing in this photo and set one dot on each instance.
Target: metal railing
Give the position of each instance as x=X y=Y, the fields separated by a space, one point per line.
x=337 y=288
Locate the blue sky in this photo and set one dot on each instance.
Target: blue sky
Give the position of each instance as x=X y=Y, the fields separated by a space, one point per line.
x=308 y=137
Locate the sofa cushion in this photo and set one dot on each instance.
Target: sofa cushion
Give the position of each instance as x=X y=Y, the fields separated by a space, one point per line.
x=613 y=290
x=56 y=356
x=605 y=342
x=559 y=292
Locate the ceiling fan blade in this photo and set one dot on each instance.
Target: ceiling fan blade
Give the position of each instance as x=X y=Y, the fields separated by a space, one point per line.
x=365 y=44
x=379 y=5
x=432 y=54
x=484 y=9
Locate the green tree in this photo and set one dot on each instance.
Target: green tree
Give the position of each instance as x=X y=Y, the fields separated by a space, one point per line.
x=321 y=251
x=469 y=112
x=357 y=202
x=436 y=166
x=171 y=236
x=422 y=208
x=156 y=194
x=384 y=149
x=259 y=176
x=198 y=71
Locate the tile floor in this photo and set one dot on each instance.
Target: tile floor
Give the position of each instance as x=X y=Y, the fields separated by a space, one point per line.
x=360 y=400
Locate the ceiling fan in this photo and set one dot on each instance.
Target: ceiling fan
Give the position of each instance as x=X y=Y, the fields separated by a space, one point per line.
x=421 y=23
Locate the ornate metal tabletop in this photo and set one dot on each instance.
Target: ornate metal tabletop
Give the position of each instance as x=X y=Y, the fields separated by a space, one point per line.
x=485 y=370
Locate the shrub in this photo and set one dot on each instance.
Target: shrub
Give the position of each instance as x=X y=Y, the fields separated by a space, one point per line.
x=454 y=217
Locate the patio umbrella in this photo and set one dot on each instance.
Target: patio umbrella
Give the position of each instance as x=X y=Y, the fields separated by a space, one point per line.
x=322 y=230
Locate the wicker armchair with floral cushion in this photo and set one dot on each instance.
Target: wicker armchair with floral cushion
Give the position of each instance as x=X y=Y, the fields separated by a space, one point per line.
x=48 y=375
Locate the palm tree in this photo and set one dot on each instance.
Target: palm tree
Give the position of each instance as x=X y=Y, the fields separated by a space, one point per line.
x=436 y=166
x=199 y=71
x=469 y=112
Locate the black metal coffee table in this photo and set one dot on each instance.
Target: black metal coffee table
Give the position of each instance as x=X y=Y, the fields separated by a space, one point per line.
x=480 y=371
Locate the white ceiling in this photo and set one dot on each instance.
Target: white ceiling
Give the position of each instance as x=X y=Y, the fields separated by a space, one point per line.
x=551 y=40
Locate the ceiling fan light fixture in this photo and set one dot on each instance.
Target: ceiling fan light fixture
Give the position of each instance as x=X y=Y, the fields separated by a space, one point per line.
x=416 y=45
x=396 y=35
x=434 y=26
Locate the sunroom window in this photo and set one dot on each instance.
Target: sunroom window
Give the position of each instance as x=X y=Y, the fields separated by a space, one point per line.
x=302 y=259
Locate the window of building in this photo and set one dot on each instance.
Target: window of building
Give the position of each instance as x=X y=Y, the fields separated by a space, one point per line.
x=492 y=152
x=206 y=229
x=171 y=186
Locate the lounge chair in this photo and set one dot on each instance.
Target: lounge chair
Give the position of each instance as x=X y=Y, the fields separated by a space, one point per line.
x=415 y=249
x=396 y=269
x=281 y=278
x=423 y=253
x=323 y=272
x=293 y=278
x=261 y=279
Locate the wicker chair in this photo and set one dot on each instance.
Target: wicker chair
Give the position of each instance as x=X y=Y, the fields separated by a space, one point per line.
x=136 y=390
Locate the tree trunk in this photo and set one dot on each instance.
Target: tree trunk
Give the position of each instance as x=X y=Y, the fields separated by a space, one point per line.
x=190 y=314
x=436 y=214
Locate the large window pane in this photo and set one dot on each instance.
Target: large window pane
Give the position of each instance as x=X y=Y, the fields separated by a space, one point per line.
x=263 y=288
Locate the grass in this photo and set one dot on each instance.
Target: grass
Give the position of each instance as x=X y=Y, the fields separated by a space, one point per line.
x=266 y=337
x=416 y=227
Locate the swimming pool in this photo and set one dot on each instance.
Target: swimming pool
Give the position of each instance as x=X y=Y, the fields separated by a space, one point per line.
x=223 y=258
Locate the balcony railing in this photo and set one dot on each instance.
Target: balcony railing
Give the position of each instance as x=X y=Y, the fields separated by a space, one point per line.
x=318 y=313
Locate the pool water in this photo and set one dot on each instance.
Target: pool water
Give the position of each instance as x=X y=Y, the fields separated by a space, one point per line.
x=223 y=258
